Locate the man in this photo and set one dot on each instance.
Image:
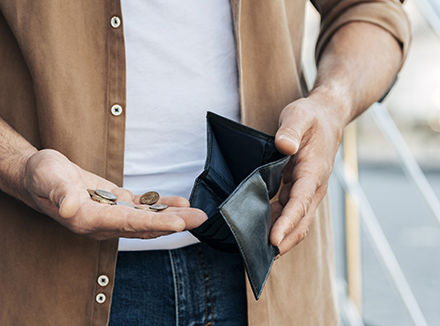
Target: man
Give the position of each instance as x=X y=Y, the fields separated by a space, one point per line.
x=63 y=103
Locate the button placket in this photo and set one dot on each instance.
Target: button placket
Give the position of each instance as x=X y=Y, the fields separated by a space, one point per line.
x=103 y=280
x=115 y=21
x=100 y=298
x=116 y=110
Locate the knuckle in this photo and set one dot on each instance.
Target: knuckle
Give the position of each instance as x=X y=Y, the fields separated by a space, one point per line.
x=302 y=235
x=323 y=189
x=304 y=204
x=290 y=225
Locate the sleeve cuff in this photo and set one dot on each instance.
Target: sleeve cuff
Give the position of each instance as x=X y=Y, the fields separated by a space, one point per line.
x=386 y=14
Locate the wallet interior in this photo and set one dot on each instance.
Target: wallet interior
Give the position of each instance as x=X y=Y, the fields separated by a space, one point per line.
x=234 y=152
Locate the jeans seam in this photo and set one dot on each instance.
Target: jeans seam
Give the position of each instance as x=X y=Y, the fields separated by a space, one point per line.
x=176 y=296
x=209 y=312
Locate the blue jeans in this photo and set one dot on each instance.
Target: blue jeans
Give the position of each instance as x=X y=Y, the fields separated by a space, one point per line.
x=190 y=286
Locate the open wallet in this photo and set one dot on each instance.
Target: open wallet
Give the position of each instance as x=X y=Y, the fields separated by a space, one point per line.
x=242 y=172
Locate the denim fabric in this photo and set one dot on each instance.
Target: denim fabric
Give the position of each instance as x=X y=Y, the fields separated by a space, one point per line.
x=190 y=286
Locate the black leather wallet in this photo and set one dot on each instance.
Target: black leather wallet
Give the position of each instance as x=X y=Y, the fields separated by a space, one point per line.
x=242 y=173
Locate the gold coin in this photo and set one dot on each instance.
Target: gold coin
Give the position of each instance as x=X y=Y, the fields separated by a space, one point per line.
x=149 y=198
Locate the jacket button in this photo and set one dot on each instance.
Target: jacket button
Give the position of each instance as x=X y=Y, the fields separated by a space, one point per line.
x=100 y=298
x=116 y=110
x=103 y=280
x=115 y=21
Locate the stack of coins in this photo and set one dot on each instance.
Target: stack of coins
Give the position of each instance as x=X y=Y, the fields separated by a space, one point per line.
x=102 y=196
x=148 y=200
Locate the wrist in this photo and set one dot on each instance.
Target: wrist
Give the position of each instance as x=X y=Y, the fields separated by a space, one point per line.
x=338 y=105
x=22 y=160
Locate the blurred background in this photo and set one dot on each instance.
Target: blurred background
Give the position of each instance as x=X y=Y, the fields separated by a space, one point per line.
x=387 y=230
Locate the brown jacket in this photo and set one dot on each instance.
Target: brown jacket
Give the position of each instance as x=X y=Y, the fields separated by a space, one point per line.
x=62 y=67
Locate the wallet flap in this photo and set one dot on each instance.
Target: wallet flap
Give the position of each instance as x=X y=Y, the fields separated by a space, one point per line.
x=248 y=214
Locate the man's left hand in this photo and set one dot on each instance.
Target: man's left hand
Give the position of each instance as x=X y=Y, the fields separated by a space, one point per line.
x=310 y=130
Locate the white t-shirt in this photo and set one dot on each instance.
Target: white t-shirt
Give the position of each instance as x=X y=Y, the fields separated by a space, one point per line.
x=180 y=60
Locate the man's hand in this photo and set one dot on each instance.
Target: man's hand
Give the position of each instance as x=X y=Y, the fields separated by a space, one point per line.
x=356 y=67
x=310 y=129
x=57 y=187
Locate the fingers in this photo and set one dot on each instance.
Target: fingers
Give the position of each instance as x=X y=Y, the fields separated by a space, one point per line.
x=175 y=201
x=132 y=235
x=276 y=209
x=297 y=228
x=300 y=231
x=288 y=170
x=294 y=122
x=122 y=219
x=67 y=199
x=123 y=194
x=300 y=200
x=193 y=217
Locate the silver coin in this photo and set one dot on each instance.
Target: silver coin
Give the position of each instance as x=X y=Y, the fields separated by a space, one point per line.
x=102 y=200
x=158 y=207
x=124 y=203
x=106 y=194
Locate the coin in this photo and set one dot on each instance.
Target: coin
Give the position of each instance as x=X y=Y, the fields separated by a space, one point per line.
x=91 y=192
x=145 y=208
x=106 y=194
x=101 y=200
x=124 y=203
x=149 y=198
x=158 y=207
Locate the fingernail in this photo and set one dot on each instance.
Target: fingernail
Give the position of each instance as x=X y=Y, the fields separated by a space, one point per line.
x=285 y=138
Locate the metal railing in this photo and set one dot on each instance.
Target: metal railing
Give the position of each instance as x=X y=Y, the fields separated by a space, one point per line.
x=347 y=178
x=408 y=162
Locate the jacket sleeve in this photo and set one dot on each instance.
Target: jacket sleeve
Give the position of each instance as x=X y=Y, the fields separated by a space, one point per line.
x=388 y=14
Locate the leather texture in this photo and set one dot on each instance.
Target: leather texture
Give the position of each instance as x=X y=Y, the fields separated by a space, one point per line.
x=242 y=173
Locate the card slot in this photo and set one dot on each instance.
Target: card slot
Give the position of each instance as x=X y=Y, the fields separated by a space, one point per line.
x=219 y=185
x=217 y=191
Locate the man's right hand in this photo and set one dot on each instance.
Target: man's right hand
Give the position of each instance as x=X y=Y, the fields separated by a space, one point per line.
x=57 y=187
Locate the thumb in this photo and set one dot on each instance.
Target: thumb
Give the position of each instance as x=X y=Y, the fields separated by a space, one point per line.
x=67 y=200
x=293 y=125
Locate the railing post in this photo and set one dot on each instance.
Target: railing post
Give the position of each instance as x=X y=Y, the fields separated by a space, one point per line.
x=352 y=224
